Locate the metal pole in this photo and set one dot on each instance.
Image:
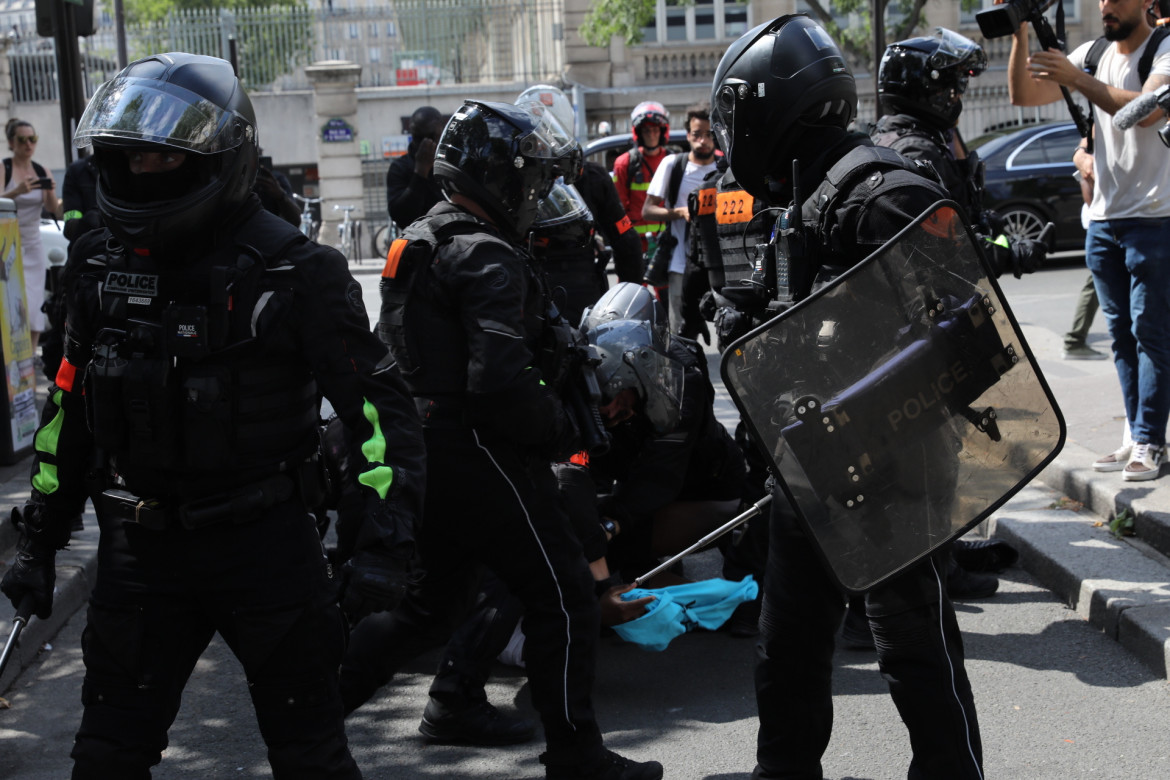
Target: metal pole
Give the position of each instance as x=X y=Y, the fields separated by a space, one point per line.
x=23 y=613
x=706 y=540
x=878 y=23
x=120 y=33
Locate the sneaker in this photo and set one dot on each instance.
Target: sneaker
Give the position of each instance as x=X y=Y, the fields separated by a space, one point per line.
x=1083 y=352
x=984 y=554
x=963 y=584
x=610 y=766
x=479 y=724
x=1145 y=462
x=1114 y=461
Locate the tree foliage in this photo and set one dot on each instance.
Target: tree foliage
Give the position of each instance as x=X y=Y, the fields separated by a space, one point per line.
x=272 y=36
x=627 y=18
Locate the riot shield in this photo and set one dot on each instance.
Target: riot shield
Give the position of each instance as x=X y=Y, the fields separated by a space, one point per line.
x=899 y=405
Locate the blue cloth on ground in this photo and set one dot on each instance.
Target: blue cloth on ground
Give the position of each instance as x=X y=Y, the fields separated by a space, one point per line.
x=677 y=609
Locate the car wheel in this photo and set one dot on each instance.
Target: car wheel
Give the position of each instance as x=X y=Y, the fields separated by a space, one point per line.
x=1022 y=222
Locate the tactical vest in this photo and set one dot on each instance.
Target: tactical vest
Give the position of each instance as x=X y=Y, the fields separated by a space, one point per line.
x=817 y=250
x=418 y=321
x=740 y=232
x=568 y=257
x=196 y=382
x=969 y=173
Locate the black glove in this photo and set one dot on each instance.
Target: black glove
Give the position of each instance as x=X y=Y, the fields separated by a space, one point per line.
x=374 y=581
x=33 y=573
x=709 y=305
x=730 y=324
x=1027 y=256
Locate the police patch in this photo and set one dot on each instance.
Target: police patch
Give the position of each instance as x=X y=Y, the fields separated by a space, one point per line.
x=353 y=294
x=132 y=284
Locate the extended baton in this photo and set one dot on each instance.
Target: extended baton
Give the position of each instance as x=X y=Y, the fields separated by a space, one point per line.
x=23 y=613
x=738 y=520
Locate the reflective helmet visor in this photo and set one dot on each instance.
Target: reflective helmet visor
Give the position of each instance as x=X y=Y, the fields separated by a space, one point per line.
x=561 y=206
x=661 y=380
x=139 y=111
x=548 y=98
x=957 y=50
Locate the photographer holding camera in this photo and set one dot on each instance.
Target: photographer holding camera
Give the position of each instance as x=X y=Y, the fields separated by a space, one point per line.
x=1129 y=226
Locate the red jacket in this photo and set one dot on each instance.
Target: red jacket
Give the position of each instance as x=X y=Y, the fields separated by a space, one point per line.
x=633 y=192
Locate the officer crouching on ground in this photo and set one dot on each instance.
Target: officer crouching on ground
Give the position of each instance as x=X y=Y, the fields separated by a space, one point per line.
x=200 y=332
x=783 y=93
x=464 y=315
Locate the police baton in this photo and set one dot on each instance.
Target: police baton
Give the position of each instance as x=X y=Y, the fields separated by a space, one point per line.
x=23 y=613
x=731 y=524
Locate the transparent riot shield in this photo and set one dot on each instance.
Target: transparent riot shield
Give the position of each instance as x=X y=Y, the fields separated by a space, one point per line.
x=899 y=405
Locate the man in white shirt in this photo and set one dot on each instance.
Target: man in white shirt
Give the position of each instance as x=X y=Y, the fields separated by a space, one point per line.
x=1129 y=228
x=661 y=207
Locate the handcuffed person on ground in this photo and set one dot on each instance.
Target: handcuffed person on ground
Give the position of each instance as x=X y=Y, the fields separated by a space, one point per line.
x=201 y=330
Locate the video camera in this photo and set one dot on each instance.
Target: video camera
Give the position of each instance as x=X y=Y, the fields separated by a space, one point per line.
x=1005 y=19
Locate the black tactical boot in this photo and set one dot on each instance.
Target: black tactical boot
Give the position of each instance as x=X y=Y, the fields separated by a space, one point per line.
x=985 y=554
x=477 y=724
x=963 y=584
x=855 y=631
x=610 y=766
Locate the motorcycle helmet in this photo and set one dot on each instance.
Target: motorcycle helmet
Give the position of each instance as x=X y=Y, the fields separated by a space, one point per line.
x=550 y=98
x=634 y=357
x=653 y=112
x=506 y=159
x=628 y=301
x=562 y=219
x=177 y=102
x=925 y=77
x=779 y=86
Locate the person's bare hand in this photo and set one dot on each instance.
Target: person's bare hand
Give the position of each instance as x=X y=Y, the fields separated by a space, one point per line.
x=1053 y=65
x=683 y=213
x=27 y=185
x=614 y=610
x=424 y=157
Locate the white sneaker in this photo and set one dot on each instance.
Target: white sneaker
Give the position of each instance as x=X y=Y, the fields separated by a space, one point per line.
x=1114 y=461
x=1144 y=463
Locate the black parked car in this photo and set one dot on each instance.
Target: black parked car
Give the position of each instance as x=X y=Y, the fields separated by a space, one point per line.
x=1030 y=180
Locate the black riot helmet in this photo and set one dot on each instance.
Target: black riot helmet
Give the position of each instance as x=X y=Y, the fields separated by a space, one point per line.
x=176 y=103
x=925 y=77
x=505 y=158
x=776 y=90
x=562 y=220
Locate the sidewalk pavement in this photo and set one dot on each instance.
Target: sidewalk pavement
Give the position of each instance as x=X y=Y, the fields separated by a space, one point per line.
x=1060 y=523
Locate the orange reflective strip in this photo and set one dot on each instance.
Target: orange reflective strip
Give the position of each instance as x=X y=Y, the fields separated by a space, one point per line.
x=944 y=223
x=581 y=458
x=66 y=375
x=393 y=255
x=624 y=224
x=707 y=201
x=733 y=207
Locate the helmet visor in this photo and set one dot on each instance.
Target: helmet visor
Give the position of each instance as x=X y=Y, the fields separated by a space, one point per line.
x=661 y=380
x=550 y=140
x=955 y=50
x=561 y=206
x=546 y=98
x=143 y=111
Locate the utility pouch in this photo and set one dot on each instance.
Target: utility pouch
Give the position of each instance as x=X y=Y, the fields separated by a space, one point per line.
x=104 y=386
x=207 y=412
x=150 y=416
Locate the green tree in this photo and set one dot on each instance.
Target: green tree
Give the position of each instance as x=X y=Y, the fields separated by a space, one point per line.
x=272 y=36
x=627 y=18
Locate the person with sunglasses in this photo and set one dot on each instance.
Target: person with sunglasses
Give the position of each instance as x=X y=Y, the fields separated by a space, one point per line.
x=33 y=189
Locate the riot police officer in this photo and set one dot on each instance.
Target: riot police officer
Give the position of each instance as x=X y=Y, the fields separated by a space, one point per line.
x=563 y=241
x=201 y=330
x=921 y=82
x=783 y=93
x=465 y=318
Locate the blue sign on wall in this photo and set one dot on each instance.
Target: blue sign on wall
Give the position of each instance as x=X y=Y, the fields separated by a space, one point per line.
x=336 y=131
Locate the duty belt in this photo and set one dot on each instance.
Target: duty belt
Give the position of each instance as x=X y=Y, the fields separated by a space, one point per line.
x=237 y=506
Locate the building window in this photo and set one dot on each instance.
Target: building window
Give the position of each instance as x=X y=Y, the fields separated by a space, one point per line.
x=697 y=22
x=375 y=54
x=391 y=30
x=354 y=31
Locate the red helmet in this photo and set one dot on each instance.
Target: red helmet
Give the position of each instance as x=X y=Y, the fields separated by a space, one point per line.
x=653 y=112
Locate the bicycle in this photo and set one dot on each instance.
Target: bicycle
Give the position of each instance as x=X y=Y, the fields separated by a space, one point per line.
x=349 y=234
x=309 y=226
x=383 y=237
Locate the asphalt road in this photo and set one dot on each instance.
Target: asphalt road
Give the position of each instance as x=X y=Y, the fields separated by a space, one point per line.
x=1056 y=698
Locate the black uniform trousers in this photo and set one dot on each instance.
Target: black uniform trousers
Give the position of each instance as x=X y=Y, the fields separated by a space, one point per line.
x=159 y=598
x=920 y=654
x=489 y=504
